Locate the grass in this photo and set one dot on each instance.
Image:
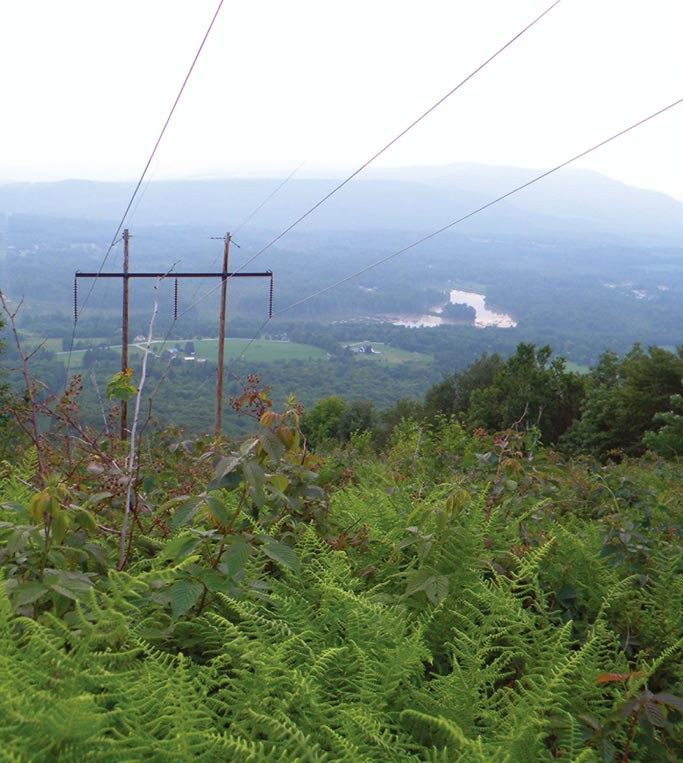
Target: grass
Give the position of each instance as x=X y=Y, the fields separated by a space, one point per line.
x=262 y=350
x=388 y=354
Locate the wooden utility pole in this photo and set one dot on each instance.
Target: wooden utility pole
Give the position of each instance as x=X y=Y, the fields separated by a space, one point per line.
x=224 y=275
x=221 y=340
x=124 y=330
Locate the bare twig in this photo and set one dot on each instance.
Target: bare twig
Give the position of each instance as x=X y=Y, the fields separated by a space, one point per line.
x=93 y=379
x=32 y=430
x=132 y=457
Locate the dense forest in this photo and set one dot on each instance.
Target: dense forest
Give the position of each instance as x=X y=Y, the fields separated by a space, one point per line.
x=489 y=571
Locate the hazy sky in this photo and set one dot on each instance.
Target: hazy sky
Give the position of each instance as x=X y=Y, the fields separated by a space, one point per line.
x=87 y=85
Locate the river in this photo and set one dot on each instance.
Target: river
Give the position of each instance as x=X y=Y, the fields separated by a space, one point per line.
x=483 y=315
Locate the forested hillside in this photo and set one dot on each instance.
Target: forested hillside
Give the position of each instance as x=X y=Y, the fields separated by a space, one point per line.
x=435 y=583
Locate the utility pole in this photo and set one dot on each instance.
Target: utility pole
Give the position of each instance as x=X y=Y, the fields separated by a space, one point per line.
x=221 y=339
x=124 y=330
x=224 y=275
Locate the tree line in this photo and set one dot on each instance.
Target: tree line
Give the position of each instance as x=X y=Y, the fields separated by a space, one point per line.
x=623 y=406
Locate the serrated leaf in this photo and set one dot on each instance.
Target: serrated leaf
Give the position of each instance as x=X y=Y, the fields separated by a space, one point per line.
x=272 y=444
x=27 y=593
x=654 y=714
x=235 y=558
x=669 y=699
x=180 y=547
x=279 y=482
x=228 y=481
x=218 y=510
x=256 y=479
x=225 y=465
x=83 y=518
x=183 y=595
x=73 y=585
x=436 y=588
x=417 y=582
x=215 y=581
x=283 y=554
x=186 y=511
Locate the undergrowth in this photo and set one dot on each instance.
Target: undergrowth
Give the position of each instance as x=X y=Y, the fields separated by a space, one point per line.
x=456 y=598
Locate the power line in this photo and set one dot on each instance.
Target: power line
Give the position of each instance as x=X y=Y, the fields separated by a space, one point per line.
x=403 y=132
x=146 y=167
x=244 y=222
x=394 y=140
x=489 y=204
x=270 y=196
x=452 y=224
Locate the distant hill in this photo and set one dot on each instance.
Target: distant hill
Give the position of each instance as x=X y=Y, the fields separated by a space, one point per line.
x=402 y=199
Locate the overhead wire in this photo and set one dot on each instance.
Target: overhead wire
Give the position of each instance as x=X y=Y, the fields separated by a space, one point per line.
x=250 y=216
x=387 y=146
x=462 y=219
x=119 y=227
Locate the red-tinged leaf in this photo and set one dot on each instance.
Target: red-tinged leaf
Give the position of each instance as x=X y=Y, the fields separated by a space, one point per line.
x=608 y=678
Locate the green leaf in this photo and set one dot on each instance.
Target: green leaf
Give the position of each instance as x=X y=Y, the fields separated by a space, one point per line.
x=27 y=593
x=256 y=479
x=283 y=554
x=229 y=481
x=83 y=518
x=218 y=510
x=73 y=585
x=226 y=474
x=436 y=588
x=279 y=482
x=417 y=582
x=215 y=581
x=183 y=595
x=18 y=508
x=235 y=558
x=120 y=387
x=186 y=511
x=226 y=465
x=180 y=547
x=272 y=444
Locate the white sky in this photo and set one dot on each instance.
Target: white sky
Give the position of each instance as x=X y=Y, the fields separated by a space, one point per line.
x=87 y=85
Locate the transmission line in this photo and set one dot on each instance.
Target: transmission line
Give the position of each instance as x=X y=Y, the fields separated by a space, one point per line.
x=394 y=140
x=459 y=220
x=119 y=228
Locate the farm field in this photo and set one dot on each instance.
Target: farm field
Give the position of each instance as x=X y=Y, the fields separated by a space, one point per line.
x=388 y=354
x=262 y=350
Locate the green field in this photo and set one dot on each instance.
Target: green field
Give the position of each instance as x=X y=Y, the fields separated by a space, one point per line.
x=262 y=350
x=389 y=354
